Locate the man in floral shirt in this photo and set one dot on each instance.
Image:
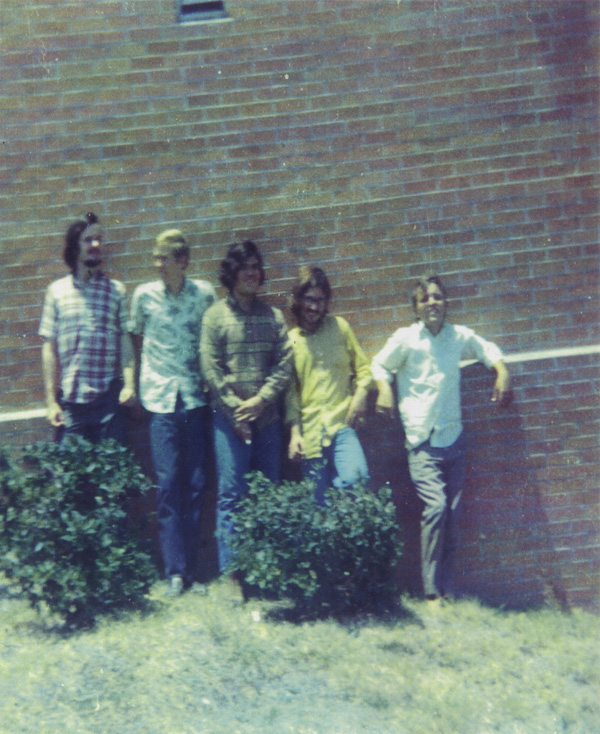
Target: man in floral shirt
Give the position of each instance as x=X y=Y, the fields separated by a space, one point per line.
x=166 y=320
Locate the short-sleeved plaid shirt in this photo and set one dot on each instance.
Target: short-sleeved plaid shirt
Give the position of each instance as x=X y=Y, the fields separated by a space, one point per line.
x=86 y=319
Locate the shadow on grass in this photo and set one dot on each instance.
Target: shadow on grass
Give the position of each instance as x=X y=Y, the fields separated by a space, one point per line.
x=289 y=611
x=45 y=622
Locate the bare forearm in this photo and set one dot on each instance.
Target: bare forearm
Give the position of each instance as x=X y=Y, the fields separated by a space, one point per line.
x=49 y=371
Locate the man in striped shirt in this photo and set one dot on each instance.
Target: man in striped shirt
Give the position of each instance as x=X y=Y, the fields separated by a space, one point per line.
x=87 y=359
x=247 y=362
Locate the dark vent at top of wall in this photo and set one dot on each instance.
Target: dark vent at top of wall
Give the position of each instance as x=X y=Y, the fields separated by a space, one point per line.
x=190 y=11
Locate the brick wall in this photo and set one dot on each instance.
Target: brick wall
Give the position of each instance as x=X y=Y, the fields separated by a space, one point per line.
x=378 y=139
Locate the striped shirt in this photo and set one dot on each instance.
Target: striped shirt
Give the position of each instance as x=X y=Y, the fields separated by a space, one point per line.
x=87 y=320
x=245 y=353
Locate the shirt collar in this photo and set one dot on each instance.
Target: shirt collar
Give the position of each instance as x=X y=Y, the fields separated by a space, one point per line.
x=82 y=283
x=167 y=292
x=425 y=330
x=235 y=304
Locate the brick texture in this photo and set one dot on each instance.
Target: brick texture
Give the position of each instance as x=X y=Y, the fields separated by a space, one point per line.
x=378 y=139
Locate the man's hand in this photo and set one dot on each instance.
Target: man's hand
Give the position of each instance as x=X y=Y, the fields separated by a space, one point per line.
x=54 y=415
x=296 y=446
x=357 y=408
x=502 y=384
x=385 y=404
x=244 y=431
x=127 y=397
x=250 y=410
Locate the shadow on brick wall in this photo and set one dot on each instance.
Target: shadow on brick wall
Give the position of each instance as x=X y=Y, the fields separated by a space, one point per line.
x=507 y=556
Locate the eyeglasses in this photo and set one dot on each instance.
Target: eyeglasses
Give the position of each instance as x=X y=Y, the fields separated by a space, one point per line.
x=309 y=300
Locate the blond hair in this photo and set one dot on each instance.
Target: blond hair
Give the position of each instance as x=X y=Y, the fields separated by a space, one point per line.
x=173 y=242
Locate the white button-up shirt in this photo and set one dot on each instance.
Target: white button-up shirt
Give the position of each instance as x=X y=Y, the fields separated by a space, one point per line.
x=427 y=370
x=171 y=326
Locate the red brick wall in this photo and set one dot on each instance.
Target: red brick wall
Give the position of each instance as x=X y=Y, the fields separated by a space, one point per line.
x=379 y=139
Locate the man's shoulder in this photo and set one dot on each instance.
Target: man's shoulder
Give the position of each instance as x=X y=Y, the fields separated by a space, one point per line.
x=217 y=310
x=116 y=285
x=458 y=330
x=150 y=288
x=339 y=322
x=411 y=331
x=61 y=284
x=201 y=287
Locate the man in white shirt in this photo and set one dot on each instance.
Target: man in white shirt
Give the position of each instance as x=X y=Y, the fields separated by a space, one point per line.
x=166 y=320
x=425 y=359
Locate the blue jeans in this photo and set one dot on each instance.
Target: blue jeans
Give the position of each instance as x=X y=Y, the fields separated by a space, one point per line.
x=178 y=441
x=342 y=464
x=98 y=420
x=438 y=474
x=234 y=460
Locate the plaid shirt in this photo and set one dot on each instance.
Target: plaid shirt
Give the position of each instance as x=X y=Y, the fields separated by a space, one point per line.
x=245 y=353
x=87 y=320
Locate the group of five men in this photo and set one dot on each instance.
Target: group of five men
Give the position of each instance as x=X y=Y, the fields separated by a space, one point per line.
x=230 y=366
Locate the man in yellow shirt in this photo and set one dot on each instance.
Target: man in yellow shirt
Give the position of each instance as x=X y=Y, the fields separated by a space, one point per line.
x=328 y=393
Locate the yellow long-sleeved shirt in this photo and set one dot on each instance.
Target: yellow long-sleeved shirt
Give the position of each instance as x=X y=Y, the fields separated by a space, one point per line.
x=329 y=366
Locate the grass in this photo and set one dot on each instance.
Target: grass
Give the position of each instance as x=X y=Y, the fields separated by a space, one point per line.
x=202 y=664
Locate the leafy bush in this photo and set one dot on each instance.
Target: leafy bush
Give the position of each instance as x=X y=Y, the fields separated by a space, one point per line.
x=336 y=559
x=64 y=529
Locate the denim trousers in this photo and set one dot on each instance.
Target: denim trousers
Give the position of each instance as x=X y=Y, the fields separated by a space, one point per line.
x=341 y=465
x=438 y=475
x=234 y=460
x=98 y=420
x=178 y=441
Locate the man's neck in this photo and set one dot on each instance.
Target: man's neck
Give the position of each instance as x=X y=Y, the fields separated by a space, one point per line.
x=84 y=275
x=244 y=302
x=175 y=287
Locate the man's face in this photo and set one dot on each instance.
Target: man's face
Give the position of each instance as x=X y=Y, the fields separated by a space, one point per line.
x=248 y=280
x=431 y=307
x=313 y=307
x=170 y=269
x=90 y=248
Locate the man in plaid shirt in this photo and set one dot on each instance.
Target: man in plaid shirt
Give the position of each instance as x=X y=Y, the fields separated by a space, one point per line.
x=87 y=359
x=247 y=362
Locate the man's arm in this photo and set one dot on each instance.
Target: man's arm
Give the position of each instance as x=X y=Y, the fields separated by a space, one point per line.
x=363 y=379
x=502 y=384
x=385 y=399
x=54 y=413
x=127 y=395
x=296 y=445
x=275 y=383
x=385 y=363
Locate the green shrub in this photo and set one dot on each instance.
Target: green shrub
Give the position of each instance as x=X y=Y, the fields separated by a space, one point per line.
x=337 y=559
x=64 y=528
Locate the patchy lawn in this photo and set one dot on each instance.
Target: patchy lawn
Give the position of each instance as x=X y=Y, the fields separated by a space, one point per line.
x=201 y=664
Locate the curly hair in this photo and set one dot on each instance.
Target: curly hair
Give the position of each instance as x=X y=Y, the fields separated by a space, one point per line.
x=237 y=256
